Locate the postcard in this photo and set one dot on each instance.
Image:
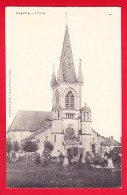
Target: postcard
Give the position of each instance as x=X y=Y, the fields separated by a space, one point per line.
x=63 y=97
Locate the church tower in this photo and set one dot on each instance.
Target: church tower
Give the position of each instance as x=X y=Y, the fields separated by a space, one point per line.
x=86 y=130
x=66 y=98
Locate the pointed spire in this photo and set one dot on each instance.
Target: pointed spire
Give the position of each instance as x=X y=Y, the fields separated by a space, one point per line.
x=80 y=76
x=60 y=74
x=53 y=80
x=66 y=67
x=66 y=19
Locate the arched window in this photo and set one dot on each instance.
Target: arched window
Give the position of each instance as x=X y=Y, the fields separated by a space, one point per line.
x=87 y=116
x=93 y=148
x=57 y=97
x=84 y=115
x=69 y=100
x=75 y=151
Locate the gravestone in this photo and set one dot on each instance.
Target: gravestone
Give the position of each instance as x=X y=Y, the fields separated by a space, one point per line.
x=110 y=164
x=65 y=162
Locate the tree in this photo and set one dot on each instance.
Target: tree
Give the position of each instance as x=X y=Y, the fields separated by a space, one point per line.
x=48 y=147
x=15 y=146
x=30 y=146
x=8 y=146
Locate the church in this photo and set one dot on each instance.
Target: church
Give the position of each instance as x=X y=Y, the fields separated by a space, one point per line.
x=68 y=126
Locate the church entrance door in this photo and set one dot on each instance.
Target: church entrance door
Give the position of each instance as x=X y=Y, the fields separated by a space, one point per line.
x=69 y=152
x=74 y=153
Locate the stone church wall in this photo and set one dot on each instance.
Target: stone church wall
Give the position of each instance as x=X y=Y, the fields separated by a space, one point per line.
x=18 y=135
x=40 y=138
x=62 y=88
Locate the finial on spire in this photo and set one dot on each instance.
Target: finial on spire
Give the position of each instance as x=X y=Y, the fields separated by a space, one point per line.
x=66 y=19
x=80 y=76
x=53 y=80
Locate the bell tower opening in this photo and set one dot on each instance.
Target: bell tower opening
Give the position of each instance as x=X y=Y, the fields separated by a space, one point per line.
x=69 y=100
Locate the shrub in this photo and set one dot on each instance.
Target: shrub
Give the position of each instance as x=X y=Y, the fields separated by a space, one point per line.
x=8 y=146
x=37 y=159
x=61 y=158
x=15 y=146
x=48 y=147
x=30 y=146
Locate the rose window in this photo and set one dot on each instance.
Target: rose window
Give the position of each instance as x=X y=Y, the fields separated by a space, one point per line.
x=70 y=135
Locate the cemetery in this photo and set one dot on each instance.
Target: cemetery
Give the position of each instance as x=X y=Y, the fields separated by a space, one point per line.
x=29 y=169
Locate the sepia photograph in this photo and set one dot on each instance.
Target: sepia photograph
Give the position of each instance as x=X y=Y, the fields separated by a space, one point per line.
x=63 y=97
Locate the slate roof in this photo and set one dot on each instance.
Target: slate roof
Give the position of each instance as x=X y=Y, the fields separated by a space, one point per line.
x=109 y=141
x=57 y=107
x=97 y=133
x=66 y=70
x=31 y=137
x=30 y=120
x=85 y=109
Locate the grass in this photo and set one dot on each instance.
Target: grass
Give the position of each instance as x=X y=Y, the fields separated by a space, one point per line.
x=23 y=175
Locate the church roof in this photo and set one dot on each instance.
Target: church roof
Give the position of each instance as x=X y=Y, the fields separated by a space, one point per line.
x=66 y=72
x=85 y=109
x=57 y=107
x=95 y=132
x=30 y=121
x=109 y=141
x=31 y=137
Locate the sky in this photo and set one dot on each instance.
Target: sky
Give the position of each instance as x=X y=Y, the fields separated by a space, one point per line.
x=34 y=42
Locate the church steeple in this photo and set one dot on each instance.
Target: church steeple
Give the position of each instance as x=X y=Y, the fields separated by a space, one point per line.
x=66 y=72
x=80 y=76
x=60 y=74
x=53 y=80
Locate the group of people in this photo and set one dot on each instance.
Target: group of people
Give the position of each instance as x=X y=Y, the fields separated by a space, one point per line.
x=13 y=156
x=67 y=160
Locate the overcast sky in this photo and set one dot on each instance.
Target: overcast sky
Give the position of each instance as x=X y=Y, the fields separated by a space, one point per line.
x=34 y=43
